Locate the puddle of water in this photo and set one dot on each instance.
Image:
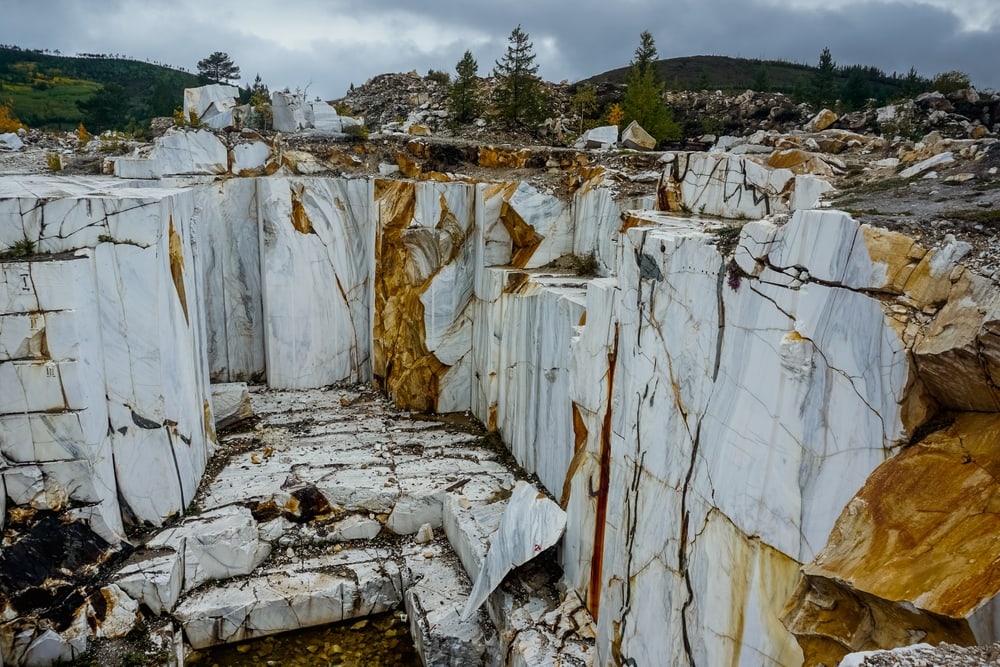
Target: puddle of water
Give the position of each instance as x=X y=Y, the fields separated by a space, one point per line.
x=375 y=641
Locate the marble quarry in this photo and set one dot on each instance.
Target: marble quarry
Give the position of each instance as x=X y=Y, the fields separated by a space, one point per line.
x=769 y=447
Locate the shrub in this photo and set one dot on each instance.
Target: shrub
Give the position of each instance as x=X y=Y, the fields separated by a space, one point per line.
x=22 y=248
x=439 y=76
x=8 y=121
x=54 y=161
x=357 y=132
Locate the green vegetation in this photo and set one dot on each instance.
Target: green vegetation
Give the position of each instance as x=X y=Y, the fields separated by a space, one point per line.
x=823 y=92
x=518 y=97
x=22 y=248
x=218 y=68
x=55 y=92
x=439 y=76
x=585 y=105
x=465 y=100
x=643 y=101
x=985 y=216
x=585 y=266
x=734 y=75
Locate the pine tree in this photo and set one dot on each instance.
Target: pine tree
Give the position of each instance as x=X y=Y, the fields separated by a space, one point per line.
x=465 y=102
x=822 y=83
x=645 y=53
x=762 y=80
x=218 y=67
x=643 y=101
x=518 y=96
x=857 y=89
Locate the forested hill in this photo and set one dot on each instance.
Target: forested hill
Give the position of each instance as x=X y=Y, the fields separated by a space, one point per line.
x=739 y=74
x=43 y=89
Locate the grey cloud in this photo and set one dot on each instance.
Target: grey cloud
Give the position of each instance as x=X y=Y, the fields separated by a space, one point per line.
x=589 y=36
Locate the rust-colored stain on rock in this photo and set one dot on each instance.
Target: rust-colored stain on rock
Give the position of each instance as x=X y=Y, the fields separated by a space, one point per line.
x=300 y=219
x=523 y=236
x=580 y=434
x=500 y=158
x=177 y=267
x=597 y=558
x=915 y=549
x=408 y=167
x=403 y=365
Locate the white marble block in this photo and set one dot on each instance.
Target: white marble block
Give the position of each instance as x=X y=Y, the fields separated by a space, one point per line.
x=316 y=244
x=228 y=231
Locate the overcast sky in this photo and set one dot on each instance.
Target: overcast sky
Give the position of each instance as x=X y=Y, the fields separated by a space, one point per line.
x=329 y=44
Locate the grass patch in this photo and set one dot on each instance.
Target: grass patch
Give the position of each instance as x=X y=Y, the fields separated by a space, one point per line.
x=984 y=216
x=23 y=248
x=879 y=186
x=55 y=104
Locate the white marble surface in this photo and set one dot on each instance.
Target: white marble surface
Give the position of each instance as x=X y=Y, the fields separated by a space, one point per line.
x=212 y=104
x=289 y=114
x=250 y=158
x=316 y=284
x=226 y=220
x=532 y=410
x=179 y=152
x=154 y=581
x=726 y=186
x=596 y=224
x=318 y=591
x=220 y=544
x=531 y=524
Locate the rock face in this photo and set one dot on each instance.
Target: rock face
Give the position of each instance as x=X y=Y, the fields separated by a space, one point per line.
x=703 y=415
x=901 y=555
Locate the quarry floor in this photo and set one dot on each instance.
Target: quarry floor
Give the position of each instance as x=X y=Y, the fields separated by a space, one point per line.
x=337 y=476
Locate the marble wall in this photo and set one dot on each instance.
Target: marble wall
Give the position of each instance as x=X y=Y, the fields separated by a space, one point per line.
x=108 y=392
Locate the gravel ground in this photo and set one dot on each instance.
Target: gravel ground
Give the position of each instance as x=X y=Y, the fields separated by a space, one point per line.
x=922 y=655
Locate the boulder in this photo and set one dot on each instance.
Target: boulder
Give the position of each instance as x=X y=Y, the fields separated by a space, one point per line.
x=212 y=104
x=824 y=119
x=10 y=142
x=605 y=136
x=636 y=138
x=938 y=160
x=230 y=403
x=323 y=117
x=288 y=111
x=913 y=556
x=221 y=544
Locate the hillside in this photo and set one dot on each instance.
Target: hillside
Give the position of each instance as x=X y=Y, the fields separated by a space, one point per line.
x=739 y=74
x=44 y=89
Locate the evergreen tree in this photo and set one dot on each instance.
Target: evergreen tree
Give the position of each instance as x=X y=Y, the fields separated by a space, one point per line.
x=645 y=53
x=218 y=67
x=107 y=109
x=519 y=97
x=913 y=84
x=822 y=83
x=857 y=89
x=260 y=102
x=762 y=80
x=465 y=102
x=643 y=101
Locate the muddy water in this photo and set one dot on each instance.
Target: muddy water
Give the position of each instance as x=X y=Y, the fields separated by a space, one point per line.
x=372 y=642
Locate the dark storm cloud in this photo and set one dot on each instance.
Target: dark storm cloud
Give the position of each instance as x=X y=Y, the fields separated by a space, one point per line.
x=328 y=45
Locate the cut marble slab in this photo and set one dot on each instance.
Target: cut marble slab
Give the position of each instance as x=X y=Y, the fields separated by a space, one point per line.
x=230 y=404
x=531 y=524
x=323 y=590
